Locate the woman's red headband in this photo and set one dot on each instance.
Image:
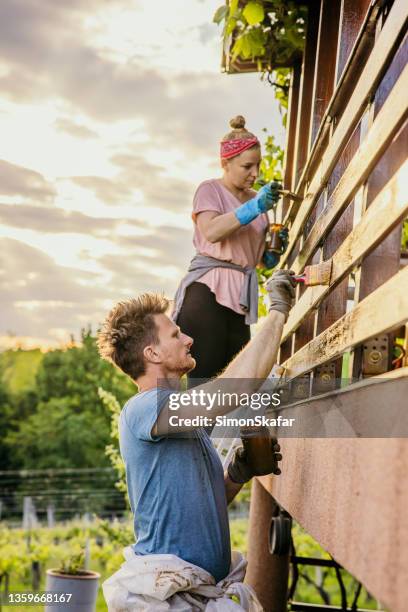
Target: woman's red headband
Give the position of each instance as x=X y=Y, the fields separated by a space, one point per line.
x=231 y=148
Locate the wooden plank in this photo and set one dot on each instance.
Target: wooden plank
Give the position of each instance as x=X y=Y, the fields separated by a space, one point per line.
x=384 y=261
x=387 y=123
x=387 y=210
x=365 y=394
x=351 y=496
x=364 y=321
x=326 y=62
x=352 y=17
x=368 y=81
x=289 y=178
x=334 y=304
x=355 y=64
x=306 y=88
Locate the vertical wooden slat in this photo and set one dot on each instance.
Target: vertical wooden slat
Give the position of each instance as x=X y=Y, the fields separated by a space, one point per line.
x=353 y=13
x=306 y=89
x=384 y=261
x=267 y=574
x=334 y=305
x=289 y=178
x=326 y=61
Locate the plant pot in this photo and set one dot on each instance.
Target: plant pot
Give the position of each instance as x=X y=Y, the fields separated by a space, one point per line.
x=83 y=586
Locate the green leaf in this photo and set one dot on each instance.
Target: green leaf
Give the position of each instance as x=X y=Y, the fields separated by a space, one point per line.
x=230 y=26
x=233 y=6
x=220 y=13
x=254 y=13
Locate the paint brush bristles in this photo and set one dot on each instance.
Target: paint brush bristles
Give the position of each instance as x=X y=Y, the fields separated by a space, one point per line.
x=319 y=274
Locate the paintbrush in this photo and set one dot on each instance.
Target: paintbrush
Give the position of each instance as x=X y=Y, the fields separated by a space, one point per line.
x=319 y=274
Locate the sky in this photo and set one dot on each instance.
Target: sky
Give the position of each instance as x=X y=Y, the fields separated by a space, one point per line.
x=111 y=112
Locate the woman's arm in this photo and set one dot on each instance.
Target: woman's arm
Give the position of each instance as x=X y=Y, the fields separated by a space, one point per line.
x=215 y=227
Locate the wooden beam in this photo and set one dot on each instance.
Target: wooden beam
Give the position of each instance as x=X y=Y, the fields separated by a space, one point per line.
x=351 y=496
x=379 y=58
x=289 y=178
x=351 y=72
x=267 y=574
x=381 y=311
x=385 y=126
x=353 y=14
x=385 y=212
x=306 y=90
x=325 y=63
x=357 y=410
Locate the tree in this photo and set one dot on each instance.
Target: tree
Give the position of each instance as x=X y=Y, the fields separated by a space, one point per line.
x=70 y=426
x=6 y=415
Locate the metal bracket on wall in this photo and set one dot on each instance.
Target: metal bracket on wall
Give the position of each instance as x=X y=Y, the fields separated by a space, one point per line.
x=300 y=387
x=375 y=356
x=324 y=379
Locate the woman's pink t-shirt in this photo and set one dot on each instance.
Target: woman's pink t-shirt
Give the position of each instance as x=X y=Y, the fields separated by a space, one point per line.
x=244 y=247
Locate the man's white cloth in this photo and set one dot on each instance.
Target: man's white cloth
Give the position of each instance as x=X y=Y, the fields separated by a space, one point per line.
x=158 y=583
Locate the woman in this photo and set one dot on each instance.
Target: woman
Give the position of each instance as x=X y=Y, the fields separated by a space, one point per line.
x=218 y=299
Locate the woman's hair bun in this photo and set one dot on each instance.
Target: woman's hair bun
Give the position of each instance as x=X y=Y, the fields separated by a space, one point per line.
x=238 y=122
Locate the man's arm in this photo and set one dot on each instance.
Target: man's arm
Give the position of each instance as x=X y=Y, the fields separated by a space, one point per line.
x=231 y=488
x=250 y=367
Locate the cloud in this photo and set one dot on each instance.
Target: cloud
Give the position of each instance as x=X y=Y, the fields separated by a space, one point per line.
x=74 y=129
x=50 y=55
x=38 y=294
x=170 y=245
x=30 y=277
x=16 y=180
x=54 y=220
x=137 y=174
x=107 y=190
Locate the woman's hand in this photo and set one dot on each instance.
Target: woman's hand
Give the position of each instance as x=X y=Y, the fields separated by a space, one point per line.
x=264 y=200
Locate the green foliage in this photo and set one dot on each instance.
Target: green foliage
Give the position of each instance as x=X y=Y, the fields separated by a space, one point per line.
x=18 y=369
x=239 y=535
x=6 y=415
x=270 y=32
x=272 y=161
x=280 y=24
x=254 y=13
x=73 y=565
x=62 y=422
x=404 y=237
x=112 y=450
x=58 y=546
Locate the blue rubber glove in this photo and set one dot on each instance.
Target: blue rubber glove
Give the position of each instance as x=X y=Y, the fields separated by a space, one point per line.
x=270 y=259
x=264 y=200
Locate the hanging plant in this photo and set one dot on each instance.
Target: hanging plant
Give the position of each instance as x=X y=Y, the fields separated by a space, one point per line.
x=270 y=33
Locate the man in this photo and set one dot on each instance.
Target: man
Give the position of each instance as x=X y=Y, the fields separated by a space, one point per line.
x=177 y=489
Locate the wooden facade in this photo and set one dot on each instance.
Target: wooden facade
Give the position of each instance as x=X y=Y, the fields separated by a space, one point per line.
x=346 y=156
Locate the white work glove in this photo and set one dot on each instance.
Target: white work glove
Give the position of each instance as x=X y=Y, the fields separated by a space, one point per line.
x=281 y=291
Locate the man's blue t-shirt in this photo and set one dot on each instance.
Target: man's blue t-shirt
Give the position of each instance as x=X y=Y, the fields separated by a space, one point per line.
x=176 y=488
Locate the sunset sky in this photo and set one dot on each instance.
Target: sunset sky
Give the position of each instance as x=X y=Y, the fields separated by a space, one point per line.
x=110 y=115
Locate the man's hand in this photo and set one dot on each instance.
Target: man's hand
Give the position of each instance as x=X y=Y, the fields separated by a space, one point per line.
x=281 y=291
x=240 y=469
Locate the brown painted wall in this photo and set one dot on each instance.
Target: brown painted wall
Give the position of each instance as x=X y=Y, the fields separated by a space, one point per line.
x=351 y=496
